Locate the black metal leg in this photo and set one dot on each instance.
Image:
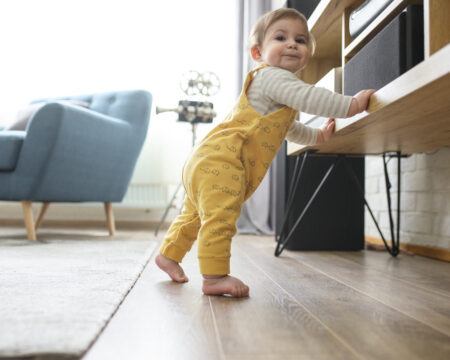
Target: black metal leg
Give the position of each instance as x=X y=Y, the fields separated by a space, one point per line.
x=394 y=249
x=294 y=184
x=399 y=158
x=281 y=240
x=395 y=240
x=388 y=197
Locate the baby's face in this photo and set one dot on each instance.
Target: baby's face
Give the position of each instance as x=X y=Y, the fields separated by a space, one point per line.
x=286 y=45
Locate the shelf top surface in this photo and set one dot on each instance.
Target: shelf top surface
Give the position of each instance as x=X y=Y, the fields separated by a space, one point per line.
x=325 y=25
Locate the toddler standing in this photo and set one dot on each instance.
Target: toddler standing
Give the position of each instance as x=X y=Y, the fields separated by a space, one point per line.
x=231 y=161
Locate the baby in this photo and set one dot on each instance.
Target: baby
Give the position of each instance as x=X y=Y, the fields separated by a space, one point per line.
x=231 y=161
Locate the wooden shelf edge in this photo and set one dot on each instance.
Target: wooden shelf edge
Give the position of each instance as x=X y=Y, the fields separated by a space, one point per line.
x=320 y=19
x=435 y=68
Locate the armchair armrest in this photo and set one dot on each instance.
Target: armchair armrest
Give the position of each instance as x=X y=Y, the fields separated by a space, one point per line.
x=75 y=154
x=10 y=145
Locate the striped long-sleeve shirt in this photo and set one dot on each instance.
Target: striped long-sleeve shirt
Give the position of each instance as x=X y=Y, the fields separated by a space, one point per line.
x=273 y=87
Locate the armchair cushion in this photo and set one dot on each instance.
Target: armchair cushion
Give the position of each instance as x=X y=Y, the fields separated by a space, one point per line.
x=10 y=145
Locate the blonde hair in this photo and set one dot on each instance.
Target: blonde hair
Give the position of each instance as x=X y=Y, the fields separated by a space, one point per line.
x=259 y=30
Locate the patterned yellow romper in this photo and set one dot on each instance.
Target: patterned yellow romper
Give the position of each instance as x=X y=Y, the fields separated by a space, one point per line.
x=224 y=171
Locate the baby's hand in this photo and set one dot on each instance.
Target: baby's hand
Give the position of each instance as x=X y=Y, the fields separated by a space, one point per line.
x=360 y=102
x=325 y=131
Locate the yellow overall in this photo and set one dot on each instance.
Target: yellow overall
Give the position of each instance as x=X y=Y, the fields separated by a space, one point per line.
x=224 y=171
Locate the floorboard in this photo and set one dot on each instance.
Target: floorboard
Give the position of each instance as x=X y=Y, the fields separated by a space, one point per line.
x=161 y=320
x=431 y=275
x=371 y=328
x=271 y=323
x=428 y=307
x=302 y=305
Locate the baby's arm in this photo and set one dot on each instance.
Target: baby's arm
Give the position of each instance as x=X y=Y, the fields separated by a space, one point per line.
x=306 y=135
x=285 y=88
x=302 y=134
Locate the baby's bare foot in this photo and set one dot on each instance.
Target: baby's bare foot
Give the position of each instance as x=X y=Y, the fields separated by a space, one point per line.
x=224 y=285
x=172 y=268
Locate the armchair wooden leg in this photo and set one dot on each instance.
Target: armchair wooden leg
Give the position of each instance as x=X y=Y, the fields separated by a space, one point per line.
x=41 y=214
x=110 y=218
x=28 y=217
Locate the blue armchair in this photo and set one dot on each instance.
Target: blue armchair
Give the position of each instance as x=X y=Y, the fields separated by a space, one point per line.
x=74 y=154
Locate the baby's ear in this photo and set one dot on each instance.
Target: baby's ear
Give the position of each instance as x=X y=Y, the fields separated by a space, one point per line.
x=255 y=53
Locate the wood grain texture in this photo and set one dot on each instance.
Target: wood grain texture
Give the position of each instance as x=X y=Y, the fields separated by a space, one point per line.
x=325 y=25
x=161 y=320
x=429 y=308
x=431 y=275
x=436 y=25
x=411 y=114
x=372 y=328
x=272 y=323
x=302 y=305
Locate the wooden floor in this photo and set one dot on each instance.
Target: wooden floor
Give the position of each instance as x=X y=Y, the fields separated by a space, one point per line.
x=302 y=305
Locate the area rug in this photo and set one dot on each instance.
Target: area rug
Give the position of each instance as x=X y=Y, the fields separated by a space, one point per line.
x=57 y=295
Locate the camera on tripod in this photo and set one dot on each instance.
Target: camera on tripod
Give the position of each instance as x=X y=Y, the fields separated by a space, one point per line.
x=194 y=112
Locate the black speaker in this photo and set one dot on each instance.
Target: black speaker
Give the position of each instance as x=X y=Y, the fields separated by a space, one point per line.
x=393 y=51
x=335 y=221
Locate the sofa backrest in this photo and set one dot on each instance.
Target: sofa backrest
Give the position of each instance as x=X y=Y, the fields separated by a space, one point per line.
x=132 y=106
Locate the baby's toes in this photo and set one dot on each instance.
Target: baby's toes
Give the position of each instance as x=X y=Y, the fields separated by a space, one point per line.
x=242 y=291
x=235 y=291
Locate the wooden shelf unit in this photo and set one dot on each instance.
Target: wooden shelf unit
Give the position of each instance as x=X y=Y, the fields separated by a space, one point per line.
x=325 y=23
x=412 y=113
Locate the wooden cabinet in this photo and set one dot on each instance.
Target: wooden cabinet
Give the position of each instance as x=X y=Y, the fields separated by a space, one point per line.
x=412 y=113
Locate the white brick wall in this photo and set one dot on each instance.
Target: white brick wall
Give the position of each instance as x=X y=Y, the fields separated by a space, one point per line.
x=425 y=198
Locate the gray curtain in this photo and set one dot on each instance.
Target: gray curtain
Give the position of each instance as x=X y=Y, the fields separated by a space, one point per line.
x=256 y=216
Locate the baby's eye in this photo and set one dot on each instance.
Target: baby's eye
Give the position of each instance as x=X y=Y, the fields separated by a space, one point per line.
x=280 y=38
x=300 y=41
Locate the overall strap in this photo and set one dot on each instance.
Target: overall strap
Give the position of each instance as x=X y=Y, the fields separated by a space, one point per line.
x=250 y=77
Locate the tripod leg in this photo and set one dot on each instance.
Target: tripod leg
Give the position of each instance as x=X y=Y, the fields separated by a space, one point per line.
x=166 y=211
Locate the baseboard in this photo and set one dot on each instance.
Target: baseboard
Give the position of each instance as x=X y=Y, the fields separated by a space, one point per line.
x=12 y=210
x=88 y=224
x=428 y=251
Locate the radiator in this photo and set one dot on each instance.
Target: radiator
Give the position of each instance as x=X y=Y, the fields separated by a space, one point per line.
x=146 y=196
